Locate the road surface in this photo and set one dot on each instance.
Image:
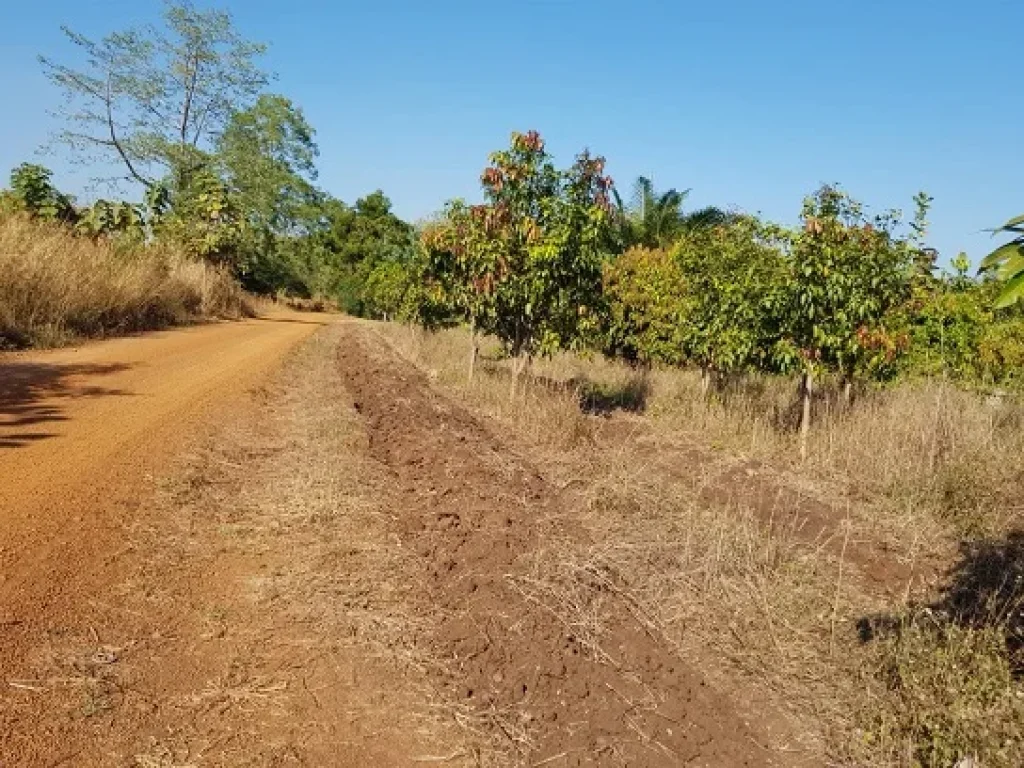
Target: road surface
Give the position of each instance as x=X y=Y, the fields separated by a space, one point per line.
x=80 y=429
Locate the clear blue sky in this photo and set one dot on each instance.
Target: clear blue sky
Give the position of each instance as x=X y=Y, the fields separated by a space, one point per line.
x=751 y=104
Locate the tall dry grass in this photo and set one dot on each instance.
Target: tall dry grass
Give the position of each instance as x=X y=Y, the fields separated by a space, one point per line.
x=55 y=286
x=919 y=452
x=920 y=447
x=863 y=674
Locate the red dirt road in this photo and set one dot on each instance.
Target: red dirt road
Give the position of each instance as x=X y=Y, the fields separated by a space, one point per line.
x=79 y=430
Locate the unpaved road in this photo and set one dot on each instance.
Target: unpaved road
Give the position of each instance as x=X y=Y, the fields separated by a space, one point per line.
x=79 y=426
x=207 y=562
x=80 y=430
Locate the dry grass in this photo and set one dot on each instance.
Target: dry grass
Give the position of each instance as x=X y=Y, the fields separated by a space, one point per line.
x=55 y=287
x=920 y=447
x=792 y=624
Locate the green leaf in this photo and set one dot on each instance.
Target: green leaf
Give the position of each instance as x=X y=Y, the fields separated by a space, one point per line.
x=1000 y=254
x=1012 y=292
x=1014 y=222
x=1012 y=266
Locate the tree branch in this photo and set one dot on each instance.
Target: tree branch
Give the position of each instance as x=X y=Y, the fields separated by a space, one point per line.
x=117 y=143
x=191 y=78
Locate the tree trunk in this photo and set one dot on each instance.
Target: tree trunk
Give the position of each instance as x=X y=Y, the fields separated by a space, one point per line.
x=474 y=351
x=705 y=380
x=847 y=392
x=806 y=392
x=520 y=364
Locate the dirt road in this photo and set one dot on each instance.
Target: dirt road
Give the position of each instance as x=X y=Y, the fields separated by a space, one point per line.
x=80 y=429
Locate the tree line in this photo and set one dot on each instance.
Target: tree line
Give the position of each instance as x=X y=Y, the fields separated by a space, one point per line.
x=553 y=259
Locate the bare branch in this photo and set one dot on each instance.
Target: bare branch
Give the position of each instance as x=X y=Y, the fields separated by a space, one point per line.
x=117 y=144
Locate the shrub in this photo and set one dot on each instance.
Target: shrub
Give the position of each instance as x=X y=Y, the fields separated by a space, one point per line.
x=645 y=294
x=949 y=694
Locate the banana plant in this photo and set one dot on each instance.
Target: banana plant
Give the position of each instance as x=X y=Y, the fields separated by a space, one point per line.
x=1006 y=263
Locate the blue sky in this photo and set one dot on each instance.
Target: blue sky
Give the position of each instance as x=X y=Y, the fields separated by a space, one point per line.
x=749 y=104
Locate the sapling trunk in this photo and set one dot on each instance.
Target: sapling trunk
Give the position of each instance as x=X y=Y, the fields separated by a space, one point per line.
x=705 y=380
x=520 y=364
x=847 y=391
x=806 y=392
x=474 y=351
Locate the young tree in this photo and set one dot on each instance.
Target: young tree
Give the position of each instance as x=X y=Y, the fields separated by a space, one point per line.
x=206 y=219
x=33 y=192
x=153 y=100
x=386 y=288
x=531 y=257
x=104 y=219
x=647 y=314
x=459 y=254
x=846 y=272
x=733 y=276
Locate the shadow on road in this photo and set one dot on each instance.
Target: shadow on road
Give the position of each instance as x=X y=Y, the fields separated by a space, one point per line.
x=31 y=395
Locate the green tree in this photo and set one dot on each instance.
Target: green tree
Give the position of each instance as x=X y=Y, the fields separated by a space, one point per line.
x=645 y=295
x=955 y=332
x=651 y=219
x=33 y=192
x=656 y=219
x=268 y=153
x=206 y=219
x=386 y=288
x=1006 y=263
x=154 y=100
x=846 y=273
x=267 y=158
x=459 y=254
x=105 y=218
x=352 y=240
x=733 y=276
x=535 y=249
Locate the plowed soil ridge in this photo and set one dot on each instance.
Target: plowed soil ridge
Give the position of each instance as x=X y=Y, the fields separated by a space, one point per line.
x=558 y=690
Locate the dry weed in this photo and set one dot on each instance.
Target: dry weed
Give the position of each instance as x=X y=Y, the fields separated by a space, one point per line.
x=55 y=286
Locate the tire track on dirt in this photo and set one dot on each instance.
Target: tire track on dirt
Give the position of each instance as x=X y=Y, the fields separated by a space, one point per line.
x=562 y=674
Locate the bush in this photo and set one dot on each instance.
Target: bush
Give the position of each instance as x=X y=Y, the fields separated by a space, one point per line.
x=954 y=331
x=645 y=294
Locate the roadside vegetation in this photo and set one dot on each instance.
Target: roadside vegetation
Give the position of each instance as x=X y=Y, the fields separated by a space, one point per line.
x=208 y=174
x=55 y=287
